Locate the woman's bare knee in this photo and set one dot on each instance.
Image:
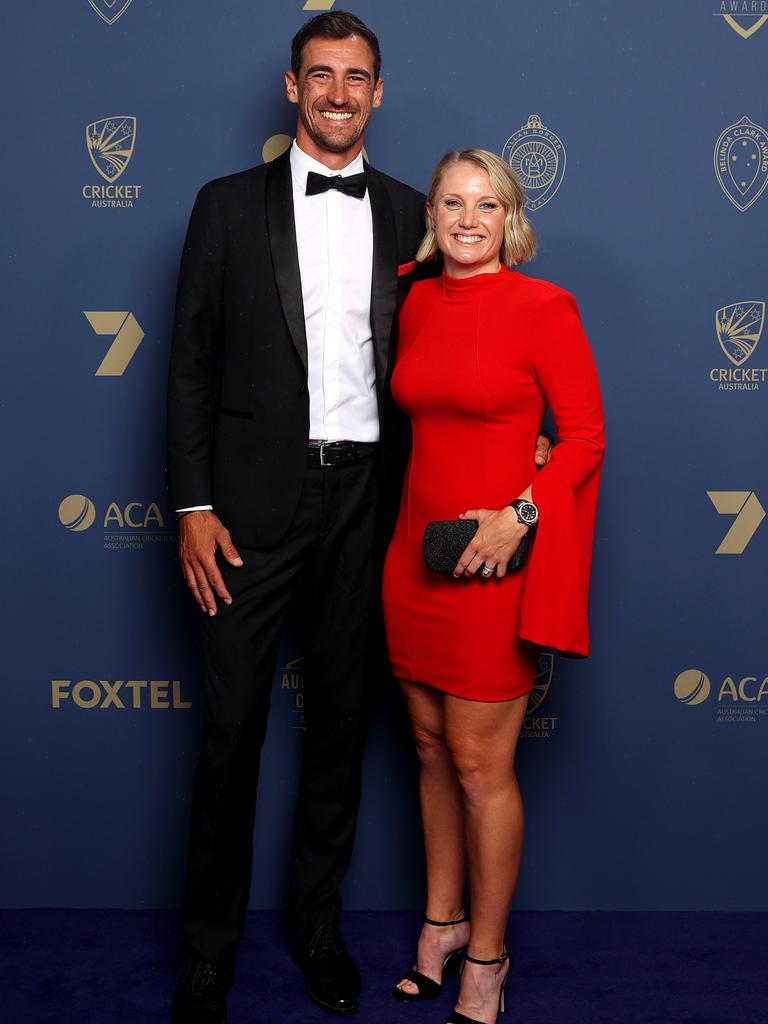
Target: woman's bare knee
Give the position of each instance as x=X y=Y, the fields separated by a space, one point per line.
x=430 y=746
x=482 y=773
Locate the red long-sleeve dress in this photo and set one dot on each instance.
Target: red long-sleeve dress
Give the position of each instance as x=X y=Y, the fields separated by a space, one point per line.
x=479 y=360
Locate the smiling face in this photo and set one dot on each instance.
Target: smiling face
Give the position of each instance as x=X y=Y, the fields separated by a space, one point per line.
x=335 y=91
x=468 y=219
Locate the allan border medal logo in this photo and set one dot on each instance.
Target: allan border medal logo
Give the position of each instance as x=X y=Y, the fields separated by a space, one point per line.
x=110 y=10
x=537 y=157
x=741 y=162
x=744 y=16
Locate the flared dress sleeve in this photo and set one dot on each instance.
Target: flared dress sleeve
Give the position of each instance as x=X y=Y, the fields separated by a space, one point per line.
x=555 y=599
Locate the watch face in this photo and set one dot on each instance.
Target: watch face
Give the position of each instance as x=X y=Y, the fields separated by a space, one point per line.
x=528 y=512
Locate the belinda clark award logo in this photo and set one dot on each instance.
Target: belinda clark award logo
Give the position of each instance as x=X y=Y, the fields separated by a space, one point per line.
x=110 y=143
x=741 y=162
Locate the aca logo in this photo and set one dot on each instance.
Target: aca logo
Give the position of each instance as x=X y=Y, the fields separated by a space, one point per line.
x=741 y=162
x=692 y=686
x=110 y=10
x=744 y=16
x=537 y=156
x=740 y=699
x=127 y=525
x=538 y=727
x=738 y=329
x=749 y=513
x=77 y=513
x=110 y=143
x=292 y=681
x=126 y=333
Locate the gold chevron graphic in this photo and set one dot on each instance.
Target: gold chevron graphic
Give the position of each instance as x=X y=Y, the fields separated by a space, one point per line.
x=745 y=33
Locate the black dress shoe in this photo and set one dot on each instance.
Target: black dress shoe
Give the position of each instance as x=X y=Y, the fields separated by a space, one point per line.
x=201 y=993
x=331 y=979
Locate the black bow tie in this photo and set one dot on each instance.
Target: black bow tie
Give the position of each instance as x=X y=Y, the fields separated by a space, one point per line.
x=353 y=185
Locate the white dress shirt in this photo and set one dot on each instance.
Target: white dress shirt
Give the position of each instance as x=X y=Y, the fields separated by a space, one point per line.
x=334 y=237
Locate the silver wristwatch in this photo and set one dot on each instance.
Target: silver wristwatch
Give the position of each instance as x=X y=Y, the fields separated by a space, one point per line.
x=527 y=512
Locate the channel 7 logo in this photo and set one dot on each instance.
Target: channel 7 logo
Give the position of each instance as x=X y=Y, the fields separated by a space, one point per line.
x=749 y=513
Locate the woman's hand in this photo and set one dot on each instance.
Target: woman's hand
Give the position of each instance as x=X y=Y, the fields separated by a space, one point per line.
x=496 y=540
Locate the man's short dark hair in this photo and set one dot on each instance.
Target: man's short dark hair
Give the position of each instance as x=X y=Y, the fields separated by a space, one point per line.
x=334 y=25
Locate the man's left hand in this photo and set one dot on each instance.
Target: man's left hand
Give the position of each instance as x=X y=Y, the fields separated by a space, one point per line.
x=543 y=450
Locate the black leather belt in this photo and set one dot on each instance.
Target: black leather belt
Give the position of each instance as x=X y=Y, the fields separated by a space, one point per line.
x=340 y=453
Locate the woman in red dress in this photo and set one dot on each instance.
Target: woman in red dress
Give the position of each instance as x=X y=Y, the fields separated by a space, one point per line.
x=483 y=351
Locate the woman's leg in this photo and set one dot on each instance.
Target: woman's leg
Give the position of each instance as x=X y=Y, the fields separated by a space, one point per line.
x=482 y=739
x=442 y=814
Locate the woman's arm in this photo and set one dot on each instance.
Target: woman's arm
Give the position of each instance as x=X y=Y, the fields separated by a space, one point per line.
x=565 y=490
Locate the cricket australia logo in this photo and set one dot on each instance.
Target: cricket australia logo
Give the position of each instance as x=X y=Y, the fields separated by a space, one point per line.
x=110 y=145
x=110 y=10
x=741 y=162
x=541 y=682
x=537 y=157
x=739 y=327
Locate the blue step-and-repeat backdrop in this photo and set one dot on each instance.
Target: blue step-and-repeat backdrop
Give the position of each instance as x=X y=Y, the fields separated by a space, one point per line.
x=640 y=129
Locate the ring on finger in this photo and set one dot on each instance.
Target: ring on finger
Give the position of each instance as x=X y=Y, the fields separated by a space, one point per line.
x=486 y=571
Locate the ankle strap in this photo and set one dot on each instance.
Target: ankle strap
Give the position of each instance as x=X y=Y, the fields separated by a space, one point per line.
x=445 y=924
x=487 y=963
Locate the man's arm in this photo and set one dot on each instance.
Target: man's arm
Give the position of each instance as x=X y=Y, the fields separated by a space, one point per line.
x=191 y=403
x=543 y=451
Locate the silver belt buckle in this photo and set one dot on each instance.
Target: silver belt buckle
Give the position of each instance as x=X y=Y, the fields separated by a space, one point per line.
x=322 y=454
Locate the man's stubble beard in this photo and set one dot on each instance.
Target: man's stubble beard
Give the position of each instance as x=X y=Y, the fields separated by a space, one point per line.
x=328 y=143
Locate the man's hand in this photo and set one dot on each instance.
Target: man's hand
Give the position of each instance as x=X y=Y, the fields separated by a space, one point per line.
x=543 y=450
x=199 y=535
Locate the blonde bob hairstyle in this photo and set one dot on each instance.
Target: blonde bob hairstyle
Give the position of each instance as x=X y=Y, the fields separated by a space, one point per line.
x=519 y=242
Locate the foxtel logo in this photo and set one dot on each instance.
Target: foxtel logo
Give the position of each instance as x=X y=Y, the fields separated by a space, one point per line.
x=132 y=694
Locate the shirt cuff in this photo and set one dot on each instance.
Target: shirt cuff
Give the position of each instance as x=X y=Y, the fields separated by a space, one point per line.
x=194 y=508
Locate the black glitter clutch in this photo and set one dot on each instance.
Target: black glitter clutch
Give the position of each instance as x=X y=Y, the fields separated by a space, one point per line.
x=446 y=539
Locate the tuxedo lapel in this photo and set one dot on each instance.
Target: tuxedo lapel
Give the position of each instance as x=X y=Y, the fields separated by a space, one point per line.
x=281 y=228
x=384 y=277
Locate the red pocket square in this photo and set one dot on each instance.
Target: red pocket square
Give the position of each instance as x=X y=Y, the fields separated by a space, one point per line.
x=406 y=268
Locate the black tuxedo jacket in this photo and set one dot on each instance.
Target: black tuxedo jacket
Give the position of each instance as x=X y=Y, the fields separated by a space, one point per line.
x=238 y=404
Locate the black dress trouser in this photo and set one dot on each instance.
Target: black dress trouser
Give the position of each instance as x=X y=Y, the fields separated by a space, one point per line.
x=325 y=567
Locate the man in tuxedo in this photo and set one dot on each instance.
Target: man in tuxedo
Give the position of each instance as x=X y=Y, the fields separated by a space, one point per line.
x=282 y=452
x=278 y=450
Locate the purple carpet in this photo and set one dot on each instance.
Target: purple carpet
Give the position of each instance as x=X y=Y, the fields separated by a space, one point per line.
x=104 y=966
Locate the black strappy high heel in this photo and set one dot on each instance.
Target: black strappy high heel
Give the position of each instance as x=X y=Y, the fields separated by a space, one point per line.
x=428 y=988
x=461 y=1018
